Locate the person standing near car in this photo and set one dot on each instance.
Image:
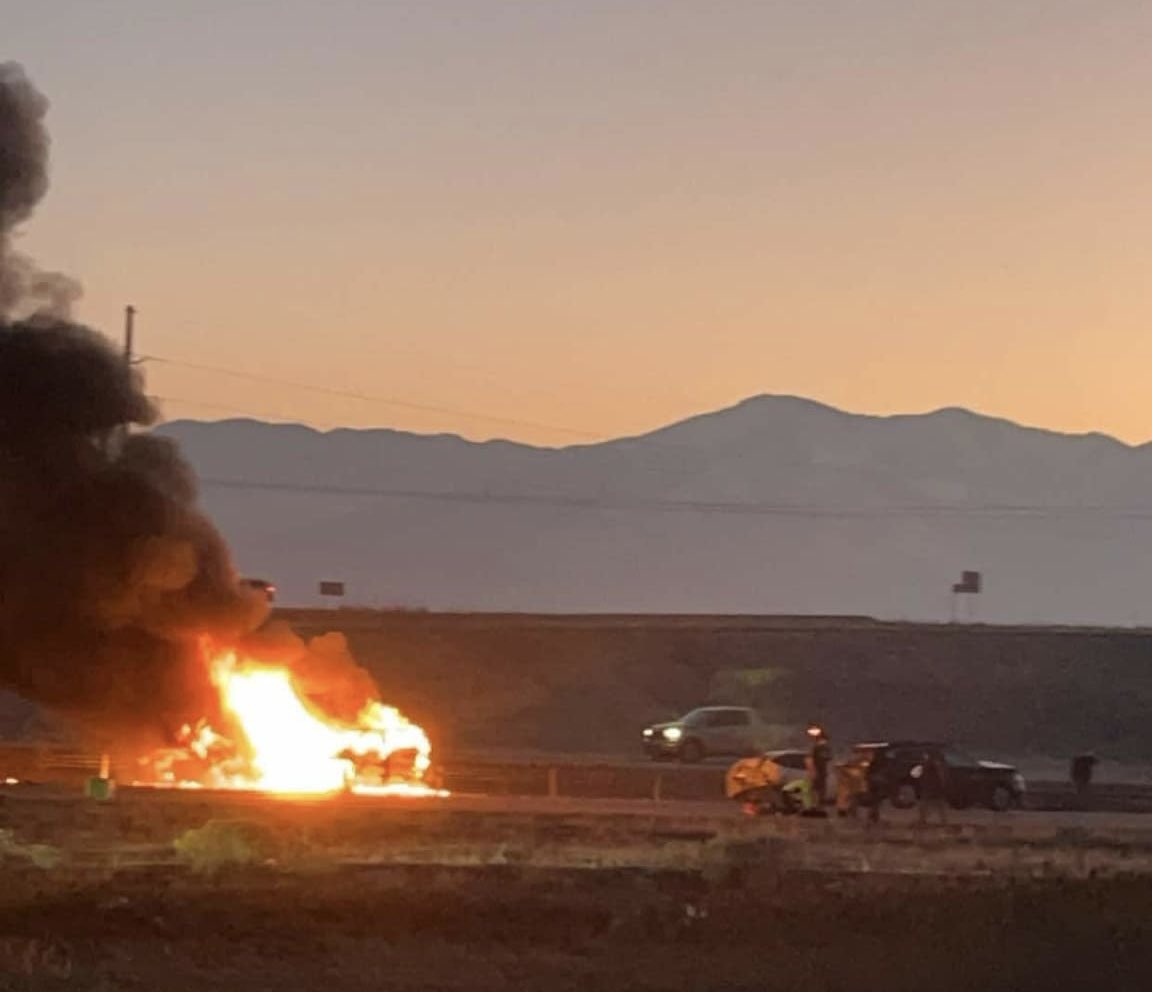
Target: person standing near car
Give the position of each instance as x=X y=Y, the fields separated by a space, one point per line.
x=933 y=783
x=878 y=785
x=851 y=787
x=820 y=757
x=1082 y=767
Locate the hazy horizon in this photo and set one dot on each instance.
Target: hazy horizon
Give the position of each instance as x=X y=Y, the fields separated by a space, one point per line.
x=508 y=219
x=656 y=428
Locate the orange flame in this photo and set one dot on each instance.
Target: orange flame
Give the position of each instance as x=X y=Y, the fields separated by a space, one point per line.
x=284 y=744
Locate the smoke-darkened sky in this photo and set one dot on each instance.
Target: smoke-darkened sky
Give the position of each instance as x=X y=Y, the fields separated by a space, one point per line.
x=605 y=215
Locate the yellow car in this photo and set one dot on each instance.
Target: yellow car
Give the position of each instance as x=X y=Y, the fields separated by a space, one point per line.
x=763 y=778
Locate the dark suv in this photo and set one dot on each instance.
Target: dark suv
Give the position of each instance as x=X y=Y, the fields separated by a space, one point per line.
x=970 y=782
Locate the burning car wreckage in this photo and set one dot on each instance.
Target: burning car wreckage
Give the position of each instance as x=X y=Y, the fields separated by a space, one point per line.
x=283 y=741
x=119 y=605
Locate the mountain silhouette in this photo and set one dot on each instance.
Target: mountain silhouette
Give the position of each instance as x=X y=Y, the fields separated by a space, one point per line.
x=776 y=505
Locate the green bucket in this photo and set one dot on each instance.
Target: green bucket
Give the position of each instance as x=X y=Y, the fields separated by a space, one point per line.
x=100 y=788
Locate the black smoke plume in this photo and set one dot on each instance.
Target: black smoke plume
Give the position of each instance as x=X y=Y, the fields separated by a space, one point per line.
x=25 y=289
x=109 y=575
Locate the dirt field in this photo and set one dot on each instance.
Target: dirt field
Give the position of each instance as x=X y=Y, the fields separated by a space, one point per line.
x=504 y=929
x=182 y=891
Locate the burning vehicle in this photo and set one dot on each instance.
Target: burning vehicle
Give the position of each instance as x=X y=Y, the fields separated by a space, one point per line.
x=120 y=608
x=279 y=740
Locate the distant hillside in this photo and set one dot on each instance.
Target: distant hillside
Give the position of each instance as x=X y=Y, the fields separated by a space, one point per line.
x=590 y=683
x=776 y=505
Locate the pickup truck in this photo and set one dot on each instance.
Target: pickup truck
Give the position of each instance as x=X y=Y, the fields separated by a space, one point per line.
x=727 y=731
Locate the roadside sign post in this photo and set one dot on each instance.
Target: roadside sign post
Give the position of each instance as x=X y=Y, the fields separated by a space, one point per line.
x=970 y=585
x=330 y=588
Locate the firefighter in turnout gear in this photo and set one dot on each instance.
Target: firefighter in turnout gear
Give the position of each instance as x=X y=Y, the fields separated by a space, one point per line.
x=820 y=758
x=851 y=787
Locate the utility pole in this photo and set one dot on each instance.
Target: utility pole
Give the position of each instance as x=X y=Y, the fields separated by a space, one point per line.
x=125 y=432
x=129 y=333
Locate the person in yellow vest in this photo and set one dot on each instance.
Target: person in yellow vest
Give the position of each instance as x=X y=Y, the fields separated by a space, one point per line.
x=851 y=786
x=802 y=793
x=754 y=782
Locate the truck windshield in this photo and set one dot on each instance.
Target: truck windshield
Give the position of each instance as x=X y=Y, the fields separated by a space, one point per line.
x=715 y=718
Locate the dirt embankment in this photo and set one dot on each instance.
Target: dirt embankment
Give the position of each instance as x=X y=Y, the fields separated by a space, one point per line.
x=589 y=683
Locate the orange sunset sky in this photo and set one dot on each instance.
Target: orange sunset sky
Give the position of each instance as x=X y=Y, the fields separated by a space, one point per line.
x=557 y=221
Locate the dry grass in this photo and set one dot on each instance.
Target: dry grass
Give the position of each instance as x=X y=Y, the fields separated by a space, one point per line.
x=518 y=928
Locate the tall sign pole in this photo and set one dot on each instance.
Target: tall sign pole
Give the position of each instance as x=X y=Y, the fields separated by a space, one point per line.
x=969 y=586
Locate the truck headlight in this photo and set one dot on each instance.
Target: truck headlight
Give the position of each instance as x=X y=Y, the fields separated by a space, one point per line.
x=647 y=731
x=673 y=733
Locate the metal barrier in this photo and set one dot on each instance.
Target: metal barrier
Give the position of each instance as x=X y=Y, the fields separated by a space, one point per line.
x=570 y=778
x=575 y=778
x=594 y=780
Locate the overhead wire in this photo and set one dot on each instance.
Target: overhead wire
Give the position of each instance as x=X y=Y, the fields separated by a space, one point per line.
x=596 y=503
x=372 y=398
x=681 y=506
x=228 y=408
x=651 y=448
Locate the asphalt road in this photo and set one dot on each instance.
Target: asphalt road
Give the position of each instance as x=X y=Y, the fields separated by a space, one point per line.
x=730 y=812
x=712 y=813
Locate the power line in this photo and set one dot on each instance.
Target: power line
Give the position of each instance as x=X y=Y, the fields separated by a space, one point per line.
x=638 y=505
x=598 y=503
x=1015 y=511
x=650 y=446
x=370 y=398
x=648 y=453
x=245 y=412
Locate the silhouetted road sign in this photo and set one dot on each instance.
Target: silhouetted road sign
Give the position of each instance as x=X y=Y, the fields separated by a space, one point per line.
x=969 y=583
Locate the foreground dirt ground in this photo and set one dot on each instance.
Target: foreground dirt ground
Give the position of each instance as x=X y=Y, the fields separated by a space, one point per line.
x=514 y=928
x=175 y=892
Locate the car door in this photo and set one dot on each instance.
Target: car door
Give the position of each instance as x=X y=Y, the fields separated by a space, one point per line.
x=965 y=780
x=903 y=765
x=793 y=764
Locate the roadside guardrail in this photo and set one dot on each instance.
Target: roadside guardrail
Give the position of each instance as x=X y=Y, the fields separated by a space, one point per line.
x=576 y=777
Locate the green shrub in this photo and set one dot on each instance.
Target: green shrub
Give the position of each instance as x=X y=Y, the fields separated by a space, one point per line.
x=225 y=843
x=38 y=855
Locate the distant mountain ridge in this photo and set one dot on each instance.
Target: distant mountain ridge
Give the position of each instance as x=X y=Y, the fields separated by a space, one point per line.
x=777 y=504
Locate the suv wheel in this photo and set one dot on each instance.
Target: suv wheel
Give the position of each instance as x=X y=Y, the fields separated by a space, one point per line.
x=691 y=751
x=904 y=796
x=1000 y=798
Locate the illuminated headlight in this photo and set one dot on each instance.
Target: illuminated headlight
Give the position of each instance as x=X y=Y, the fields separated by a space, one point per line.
x=1018 y=782
x=673 y=733
x=647 y=731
